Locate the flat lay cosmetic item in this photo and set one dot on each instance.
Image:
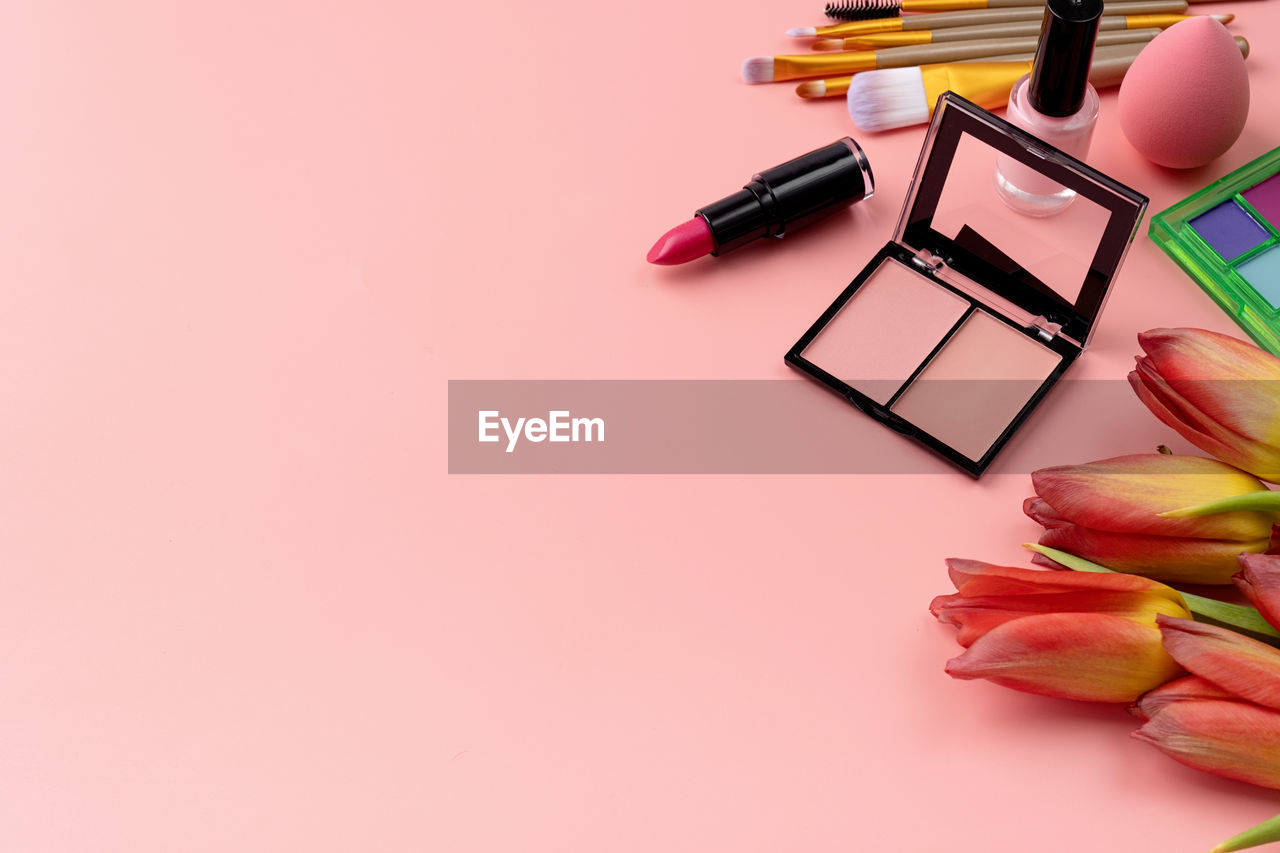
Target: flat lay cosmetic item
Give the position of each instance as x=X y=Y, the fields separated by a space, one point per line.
x=1185 y=102
x=1055 y=102
x=1227 y=237
x=775 y=202
x=963 y=321
x=855 y=10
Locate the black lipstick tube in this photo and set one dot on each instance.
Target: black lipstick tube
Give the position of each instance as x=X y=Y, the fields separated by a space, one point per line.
x=790 y=196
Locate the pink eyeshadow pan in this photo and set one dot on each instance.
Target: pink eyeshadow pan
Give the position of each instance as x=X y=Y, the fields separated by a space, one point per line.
x=1265 y=198
x=886 y=330
x=977 y=384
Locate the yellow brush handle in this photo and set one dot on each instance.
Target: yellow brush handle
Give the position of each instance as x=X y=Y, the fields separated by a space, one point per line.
x=822 y=64
x=875 y=25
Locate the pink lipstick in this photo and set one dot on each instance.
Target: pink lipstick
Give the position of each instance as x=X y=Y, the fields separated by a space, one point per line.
x=775 y=202
x=688 y=241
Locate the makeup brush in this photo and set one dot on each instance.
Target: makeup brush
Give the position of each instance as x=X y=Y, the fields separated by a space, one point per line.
x=974 y=17
x=898 y=97
x=767 y=69
x=857 y=10
x=1012 y=29
x=832 y=87
x=861 y=10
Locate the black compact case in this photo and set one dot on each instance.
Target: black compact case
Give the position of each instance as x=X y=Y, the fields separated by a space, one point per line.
x=960 y=325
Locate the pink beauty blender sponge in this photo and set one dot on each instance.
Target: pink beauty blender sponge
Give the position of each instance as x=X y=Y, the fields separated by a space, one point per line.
x=1186 y=97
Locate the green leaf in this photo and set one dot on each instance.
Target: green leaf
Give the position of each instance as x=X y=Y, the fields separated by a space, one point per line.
x=1071 y=561
x=1267 y=501
x=1237 y=617
x=1263 y=833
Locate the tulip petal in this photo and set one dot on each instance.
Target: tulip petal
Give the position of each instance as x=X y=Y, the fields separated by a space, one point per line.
x=990 y=595
x=1232 y=739
x=1088 y=656
x=976 y=578
x=1188 y=353
x=1125 y=494
x=1042 y=514
x=1259 y=579
x=1220 y=393
x=1186 y=689
x=1165 y=558
x=1182 y=415
x=1195 y=358
x=1247 y=668
x=975 y=616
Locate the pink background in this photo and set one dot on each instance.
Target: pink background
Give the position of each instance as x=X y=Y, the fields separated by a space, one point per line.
x=244 y=246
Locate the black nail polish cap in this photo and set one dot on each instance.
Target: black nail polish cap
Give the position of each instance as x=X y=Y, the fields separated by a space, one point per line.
x=1060 y=74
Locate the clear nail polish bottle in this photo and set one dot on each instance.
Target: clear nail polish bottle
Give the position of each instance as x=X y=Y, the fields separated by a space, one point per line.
x=1054 y=102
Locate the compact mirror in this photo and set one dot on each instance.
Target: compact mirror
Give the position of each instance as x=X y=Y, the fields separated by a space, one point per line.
x=1059 y=267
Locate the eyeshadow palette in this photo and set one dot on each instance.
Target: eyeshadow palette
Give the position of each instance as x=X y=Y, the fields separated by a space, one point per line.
x=960 y=325
x=1227 y=237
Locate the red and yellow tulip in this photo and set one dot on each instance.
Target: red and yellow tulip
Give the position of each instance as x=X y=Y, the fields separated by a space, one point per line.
x=1225 y=717
x=1108 y=512
x=1259 y=580
x=1219 y=393
x=1065 y=634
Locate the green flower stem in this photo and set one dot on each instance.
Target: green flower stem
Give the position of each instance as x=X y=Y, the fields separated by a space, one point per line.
x=1263 y=833
x=1246 y=620
x=1266 y=501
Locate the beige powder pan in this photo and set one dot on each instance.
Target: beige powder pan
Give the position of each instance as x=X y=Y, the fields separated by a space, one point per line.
x=881 y=336
x=986 y=373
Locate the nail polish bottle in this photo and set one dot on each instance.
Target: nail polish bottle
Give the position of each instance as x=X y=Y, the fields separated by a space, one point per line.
x=1054 y=102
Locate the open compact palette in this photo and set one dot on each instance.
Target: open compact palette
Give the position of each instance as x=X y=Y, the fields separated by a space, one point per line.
x=1227 y=236
x=960 y=325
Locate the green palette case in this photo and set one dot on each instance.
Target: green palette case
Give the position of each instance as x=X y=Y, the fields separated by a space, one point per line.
x=1227 y=237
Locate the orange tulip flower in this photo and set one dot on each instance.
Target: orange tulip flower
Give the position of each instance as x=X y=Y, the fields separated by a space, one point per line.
x=1219 y=393
x=1072 y=635
x=1108 y=512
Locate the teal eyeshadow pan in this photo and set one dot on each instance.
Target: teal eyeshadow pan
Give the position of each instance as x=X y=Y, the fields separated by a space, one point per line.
x=1263 y=272
x=1227 y=238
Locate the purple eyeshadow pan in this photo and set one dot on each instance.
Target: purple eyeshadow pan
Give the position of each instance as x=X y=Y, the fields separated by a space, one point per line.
x=1229 y=230
x=1265 y=198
